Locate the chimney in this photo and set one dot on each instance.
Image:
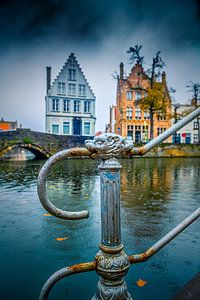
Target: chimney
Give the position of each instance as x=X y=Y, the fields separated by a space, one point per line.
x=121 y=67
x=48 y=78
x=163 y=77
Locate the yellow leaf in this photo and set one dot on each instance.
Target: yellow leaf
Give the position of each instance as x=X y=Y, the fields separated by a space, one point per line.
x=47 y=215
x=141 y=283
x=61 y=239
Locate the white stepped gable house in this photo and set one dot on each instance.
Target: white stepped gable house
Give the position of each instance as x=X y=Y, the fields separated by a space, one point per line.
x=70 y=102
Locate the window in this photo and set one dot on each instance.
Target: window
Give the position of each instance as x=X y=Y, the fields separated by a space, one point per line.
x=129 y=95
x=55 y=129
x=66 y=105
x=160 y=130
x=72 y=74
x=61 y=87
x=137 y=113
x=76 y=106
x=146 y=115
x=86 y=106
x=161 y=116
x=87 y=128
x=72 y=89
x=195 y=138
x=138 y=95
x=129 y=113
x=130 y=127
x=55 y=104
x=82 y=90
x=195 y=125
x=145 y=133
x=66 y=128
x=72 y=62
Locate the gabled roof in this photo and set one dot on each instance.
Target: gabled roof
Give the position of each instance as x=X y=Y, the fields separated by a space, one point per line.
x=71 y=62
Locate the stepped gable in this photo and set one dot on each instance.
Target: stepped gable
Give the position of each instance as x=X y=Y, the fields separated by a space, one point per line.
x=137 y=79
x=63 y=73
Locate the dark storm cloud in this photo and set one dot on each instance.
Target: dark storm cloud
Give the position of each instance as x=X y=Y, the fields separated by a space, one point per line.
x=90 y=21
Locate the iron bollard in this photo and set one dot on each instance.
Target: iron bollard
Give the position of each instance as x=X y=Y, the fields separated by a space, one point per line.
x=111 y=262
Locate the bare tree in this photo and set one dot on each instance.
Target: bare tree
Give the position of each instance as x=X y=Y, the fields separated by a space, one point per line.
x=135 y=55
x=155 y=99
x=156 y=66
x=194 y=87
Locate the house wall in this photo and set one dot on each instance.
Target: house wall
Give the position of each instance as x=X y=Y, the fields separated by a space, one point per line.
x=79 y=119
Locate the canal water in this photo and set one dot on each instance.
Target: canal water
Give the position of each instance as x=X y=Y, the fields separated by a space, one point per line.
x=156 y=194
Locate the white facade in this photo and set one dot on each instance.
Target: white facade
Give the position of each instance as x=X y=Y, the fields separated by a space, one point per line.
x=70 y=102
x=189 y=133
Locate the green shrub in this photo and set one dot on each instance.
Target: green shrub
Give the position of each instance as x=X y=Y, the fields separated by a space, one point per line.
x=27 y=140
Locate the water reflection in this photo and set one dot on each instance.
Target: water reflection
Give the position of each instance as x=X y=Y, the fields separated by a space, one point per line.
x=156 y=194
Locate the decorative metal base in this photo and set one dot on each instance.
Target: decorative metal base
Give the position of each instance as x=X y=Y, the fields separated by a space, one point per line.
x=112 y=267
x=110 y=292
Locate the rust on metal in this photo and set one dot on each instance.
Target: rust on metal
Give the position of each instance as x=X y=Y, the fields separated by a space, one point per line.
x=79 y=152
x=142 y=256
x=62 y=273
x=83 y=267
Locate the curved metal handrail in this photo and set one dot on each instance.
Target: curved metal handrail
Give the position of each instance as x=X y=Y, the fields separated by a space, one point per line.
x=64 y=272
x=147 y=147
x=135 y=258
x=41 y=185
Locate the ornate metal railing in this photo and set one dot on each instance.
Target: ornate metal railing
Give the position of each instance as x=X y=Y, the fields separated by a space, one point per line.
x=111 y=262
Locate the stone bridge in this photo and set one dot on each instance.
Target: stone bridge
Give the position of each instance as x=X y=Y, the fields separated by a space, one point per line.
x=42 y=145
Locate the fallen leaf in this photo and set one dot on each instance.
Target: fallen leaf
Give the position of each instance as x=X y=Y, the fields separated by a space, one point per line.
x=141 y=283
x=61 y=239
x=47 y=215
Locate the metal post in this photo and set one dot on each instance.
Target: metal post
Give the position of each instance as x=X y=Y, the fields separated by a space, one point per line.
x=112 y=261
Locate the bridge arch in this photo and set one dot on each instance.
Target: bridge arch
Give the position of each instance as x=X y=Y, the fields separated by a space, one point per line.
x=38 y=151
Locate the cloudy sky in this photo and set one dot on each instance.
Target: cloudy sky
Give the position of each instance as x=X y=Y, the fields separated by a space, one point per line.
x=34 y=34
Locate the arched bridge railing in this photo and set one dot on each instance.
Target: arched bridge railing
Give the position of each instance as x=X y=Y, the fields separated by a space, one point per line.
x=111 y=262
x=37 y=150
